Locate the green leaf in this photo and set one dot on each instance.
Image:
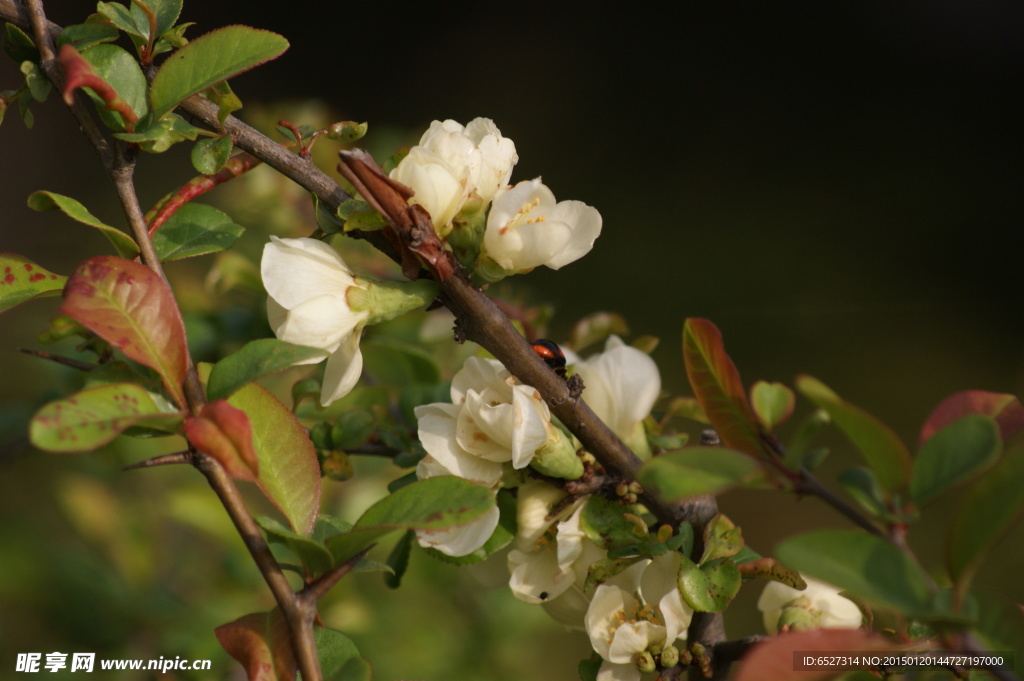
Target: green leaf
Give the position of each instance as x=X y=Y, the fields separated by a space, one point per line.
x=256 y=359
x=130 y=307
x=865 y=565
x=209 y=59
x=289 y=474
x=38 y=84
x=398 y=559
x=226 y=100
x=604 y=524
x=123 y=244
x=161 y=135
x=717 y=386
x=431 y=504
x=335 y=650
x=695 y=471
x=211 y=153
x=882 y=449
x=954 y=454
x=396 y=363
x=166 y=12
x=711 y=586
x=121 y=17
x=195 y=229
x=722 y=539
x=91 y=418
x=773 y=403
x=84 y=36
x=120 y=70
x=992 y=506
x=21 y=280
x=18 y=45
x=312 y=552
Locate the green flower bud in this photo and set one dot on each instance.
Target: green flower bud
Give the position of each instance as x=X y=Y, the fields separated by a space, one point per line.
x=557 y=457
x=669 y=657
x=645 y=662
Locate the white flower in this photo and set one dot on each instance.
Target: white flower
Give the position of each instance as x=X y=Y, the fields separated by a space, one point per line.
x=307 y=283
x=493 y=420
x=478 y=150
x=441 y=189
x=526 y=228
x=451 y=162
x=622 y=622
x=622 y=384
x=500 y=418
x=817 y=606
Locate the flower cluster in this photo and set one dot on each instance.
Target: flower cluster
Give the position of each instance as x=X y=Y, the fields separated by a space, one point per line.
x=494 y=422
x=457 y=173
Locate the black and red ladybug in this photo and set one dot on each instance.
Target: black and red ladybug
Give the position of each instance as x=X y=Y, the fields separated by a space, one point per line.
x=551 y=354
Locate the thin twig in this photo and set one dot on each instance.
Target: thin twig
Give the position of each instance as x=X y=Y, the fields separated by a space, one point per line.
x=162 y=460
x=66 y=361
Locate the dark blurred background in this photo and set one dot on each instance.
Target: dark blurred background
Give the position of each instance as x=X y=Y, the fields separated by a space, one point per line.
x=836 y=185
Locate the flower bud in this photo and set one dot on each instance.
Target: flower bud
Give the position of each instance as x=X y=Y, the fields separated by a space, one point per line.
x=645 y=662
x=557 y=457
x=669 y=657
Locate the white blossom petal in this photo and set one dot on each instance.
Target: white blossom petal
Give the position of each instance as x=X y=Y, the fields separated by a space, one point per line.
x=622 y=384
x=342 y=371
x=437 y=424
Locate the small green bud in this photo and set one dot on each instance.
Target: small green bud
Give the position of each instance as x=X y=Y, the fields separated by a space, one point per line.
x=557 y=457
x=468 y=231
x=337 y=466
x=645 y=662
x=669 y=657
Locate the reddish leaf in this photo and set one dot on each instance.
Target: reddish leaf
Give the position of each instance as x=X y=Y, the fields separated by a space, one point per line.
x=717 y=386
x=224 y=433
x=1005 y=409
x=261 y=644
x=777 y=658
x=81 y=73
x=130 y=307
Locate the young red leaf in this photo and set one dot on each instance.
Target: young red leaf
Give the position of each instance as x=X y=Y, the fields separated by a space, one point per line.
x=1005 y=409
x=130 y=307
x=717 y=386
x=81 y=73
x=774 y=659
x=260 y=642
x=224 y=433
